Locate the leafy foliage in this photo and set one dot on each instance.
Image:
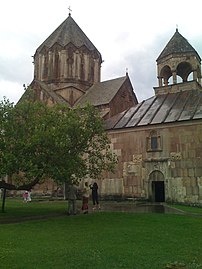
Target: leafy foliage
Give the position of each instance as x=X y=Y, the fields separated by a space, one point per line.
x=39 y=141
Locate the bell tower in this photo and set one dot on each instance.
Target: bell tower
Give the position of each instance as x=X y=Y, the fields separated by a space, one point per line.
x=177 y=64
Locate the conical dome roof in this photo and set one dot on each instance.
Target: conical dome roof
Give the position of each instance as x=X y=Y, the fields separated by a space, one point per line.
x=177 y=44
x=68 y=32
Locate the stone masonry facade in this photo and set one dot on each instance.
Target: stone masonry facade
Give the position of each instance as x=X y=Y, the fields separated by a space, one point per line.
x=177 y=163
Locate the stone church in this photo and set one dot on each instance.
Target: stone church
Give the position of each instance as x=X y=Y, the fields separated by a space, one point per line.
x=158 y=141
x=67 y=69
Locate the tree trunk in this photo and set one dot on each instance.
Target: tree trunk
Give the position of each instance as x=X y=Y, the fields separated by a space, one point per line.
x=3 y=201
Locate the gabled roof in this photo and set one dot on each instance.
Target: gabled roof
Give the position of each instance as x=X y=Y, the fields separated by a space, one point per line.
x=102 y=93
x=68 y=32
x=177 y=44
x=165 y=108
x=56 y=97
x=28 y=94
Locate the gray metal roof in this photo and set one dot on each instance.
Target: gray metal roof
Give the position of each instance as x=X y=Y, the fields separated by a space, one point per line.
x=165 y=108
x=177 y=44
x=102 y=93
x=68 y=32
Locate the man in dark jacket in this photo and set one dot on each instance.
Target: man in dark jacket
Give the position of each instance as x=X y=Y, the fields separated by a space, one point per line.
x=94 y=189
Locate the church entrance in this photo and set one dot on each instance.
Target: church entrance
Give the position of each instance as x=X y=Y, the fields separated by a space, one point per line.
x=158 y=191
x=157 y=186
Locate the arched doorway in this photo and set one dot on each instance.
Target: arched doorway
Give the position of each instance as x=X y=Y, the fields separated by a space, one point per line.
x=157 y=186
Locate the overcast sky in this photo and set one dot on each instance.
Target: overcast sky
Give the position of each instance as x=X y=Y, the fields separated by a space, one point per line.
x=129 y=34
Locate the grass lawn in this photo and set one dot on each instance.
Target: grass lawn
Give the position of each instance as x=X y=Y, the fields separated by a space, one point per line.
x=101 y=240
x=17 y=209
x=190 y=209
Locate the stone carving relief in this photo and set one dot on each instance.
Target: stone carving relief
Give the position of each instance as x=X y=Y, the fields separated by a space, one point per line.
x=175 y=156
x=133 y=167
x=156 y=166
x=137 y=159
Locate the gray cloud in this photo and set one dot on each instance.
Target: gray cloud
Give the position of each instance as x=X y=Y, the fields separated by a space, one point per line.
x=17 y=70
x=141 y=65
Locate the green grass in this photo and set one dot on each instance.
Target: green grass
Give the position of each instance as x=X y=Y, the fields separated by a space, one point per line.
x=190 y=209
x=16 y=208
x=102 y=240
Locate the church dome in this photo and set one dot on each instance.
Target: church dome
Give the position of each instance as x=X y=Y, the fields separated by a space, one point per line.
x=68 y=32
x=68 y=56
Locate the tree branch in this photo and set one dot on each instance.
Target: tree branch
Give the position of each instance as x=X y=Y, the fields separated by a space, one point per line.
x=9 y=186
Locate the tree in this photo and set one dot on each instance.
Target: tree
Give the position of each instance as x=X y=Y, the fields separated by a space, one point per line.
x=39 y=142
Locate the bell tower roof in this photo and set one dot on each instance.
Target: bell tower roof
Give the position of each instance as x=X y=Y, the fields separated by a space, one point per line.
x=68 y=32
x=177 y=44
x=178 y=66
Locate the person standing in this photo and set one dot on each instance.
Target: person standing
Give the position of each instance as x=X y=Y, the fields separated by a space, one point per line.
x=94 y=189
x=25 y=196
x=29 y=199
x=85 y=198
x=71 y=196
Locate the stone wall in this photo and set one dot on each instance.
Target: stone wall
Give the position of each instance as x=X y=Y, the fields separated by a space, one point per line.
x=177 y=162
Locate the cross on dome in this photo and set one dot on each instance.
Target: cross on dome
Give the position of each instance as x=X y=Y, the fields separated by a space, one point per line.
x=69 y=10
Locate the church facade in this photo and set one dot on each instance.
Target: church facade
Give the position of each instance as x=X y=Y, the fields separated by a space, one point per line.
x=158 y=141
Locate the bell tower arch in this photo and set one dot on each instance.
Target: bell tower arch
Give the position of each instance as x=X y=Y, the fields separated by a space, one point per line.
x=178 y=62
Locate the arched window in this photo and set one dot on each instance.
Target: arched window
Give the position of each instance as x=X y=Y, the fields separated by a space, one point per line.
x=165 y=74
x=154 y=142
x=183 y=70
